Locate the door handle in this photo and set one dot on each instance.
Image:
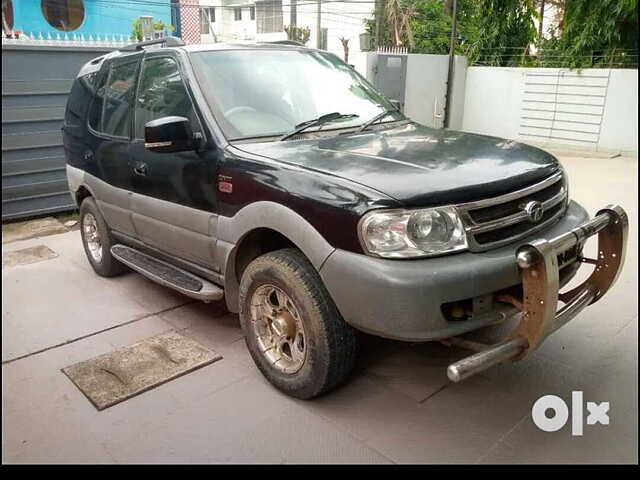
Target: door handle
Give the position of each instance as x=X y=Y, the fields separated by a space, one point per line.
x=140 y=169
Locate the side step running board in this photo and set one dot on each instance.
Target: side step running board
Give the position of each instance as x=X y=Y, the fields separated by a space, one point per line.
x=166 y=274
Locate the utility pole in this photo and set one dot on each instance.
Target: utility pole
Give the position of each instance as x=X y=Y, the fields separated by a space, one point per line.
x=319 y=27
x=294 y=13
x=378 y=17
x=541 y=20
x=452 y=51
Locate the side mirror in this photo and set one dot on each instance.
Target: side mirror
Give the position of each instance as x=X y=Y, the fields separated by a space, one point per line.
x=169 y=134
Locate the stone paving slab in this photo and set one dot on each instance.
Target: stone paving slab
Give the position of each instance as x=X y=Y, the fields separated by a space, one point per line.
x=117 y=376
x=24 y=256
x=12 y=232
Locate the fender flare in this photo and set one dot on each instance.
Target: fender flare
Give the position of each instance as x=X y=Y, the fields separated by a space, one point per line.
x=274 y=216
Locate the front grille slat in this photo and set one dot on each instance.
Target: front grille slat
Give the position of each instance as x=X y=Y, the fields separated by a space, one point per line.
x=501 y=210
x=497 y=221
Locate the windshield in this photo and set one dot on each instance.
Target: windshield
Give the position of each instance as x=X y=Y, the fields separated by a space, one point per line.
x=255 y=93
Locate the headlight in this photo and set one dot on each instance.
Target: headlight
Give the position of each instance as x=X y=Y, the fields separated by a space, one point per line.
x=412 y=233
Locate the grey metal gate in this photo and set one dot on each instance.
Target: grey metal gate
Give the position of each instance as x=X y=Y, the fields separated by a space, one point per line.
x=390 y=74
x=419 y=83
x=36 y=81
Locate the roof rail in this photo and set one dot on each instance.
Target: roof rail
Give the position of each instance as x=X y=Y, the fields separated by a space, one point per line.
x=286 y=42
x=167 y=41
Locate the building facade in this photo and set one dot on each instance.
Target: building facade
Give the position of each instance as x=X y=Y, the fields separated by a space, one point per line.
x=57 y=18
x=265 y=20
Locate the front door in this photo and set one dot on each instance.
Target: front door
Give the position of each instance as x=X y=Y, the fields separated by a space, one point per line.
x=174 y=201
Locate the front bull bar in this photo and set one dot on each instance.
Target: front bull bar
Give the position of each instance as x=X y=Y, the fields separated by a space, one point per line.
x=538 y=263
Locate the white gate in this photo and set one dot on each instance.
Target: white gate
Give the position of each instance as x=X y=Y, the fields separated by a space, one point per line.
x=564 y=106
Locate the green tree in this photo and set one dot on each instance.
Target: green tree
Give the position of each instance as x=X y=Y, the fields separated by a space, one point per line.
x=505 y=33
x=598 y=34
x=432 y=21
x=424 y=26
x=397 y=18
x=136 y=33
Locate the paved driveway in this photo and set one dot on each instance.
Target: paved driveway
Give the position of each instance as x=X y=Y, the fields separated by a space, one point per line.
x=399 y=406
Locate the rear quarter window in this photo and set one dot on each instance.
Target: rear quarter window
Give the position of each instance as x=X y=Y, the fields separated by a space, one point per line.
x=118 y=91
x=80 y=98
x=110 y=111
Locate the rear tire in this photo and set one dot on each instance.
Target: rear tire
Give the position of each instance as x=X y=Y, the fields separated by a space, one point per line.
x=97 y=240
x=320 y=352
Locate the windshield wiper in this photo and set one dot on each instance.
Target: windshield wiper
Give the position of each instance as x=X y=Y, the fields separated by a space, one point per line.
x=321 y=120
x=375 y=119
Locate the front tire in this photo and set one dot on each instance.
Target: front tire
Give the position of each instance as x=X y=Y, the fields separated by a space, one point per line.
x=97 y=240
x=292 y=328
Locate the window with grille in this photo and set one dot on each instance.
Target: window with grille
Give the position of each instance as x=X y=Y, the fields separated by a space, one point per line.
x=207 y=16
x=269 y=16
x=252 y=13
x=237 y=14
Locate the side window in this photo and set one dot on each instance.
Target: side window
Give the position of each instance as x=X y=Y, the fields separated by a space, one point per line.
x=161 y=93
x=116 y=111
x=95 y=112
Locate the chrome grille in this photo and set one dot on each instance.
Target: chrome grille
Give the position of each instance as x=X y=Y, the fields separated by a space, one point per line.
x=500 y=220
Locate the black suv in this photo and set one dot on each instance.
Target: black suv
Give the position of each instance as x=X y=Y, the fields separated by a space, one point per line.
x=277 y=177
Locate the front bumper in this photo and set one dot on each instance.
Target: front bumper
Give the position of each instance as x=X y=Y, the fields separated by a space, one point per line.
x=402 y=299
x=538 y=262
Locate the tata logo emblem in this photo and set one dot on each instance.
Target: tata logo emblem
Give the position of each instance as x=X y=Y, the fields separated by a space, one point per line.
x=534 y=211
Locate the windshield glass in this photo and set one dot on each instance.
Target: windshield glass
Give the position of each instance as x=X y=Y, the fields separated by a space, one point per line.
x=256 y=93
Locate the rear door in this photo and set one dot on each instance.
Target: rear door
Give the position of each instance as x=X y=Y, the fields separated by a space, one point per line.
x=174 y=200
x=109 y=126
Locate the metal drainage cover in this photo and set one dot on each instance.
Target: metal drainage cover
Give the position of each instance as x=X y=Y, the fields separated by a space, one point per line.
x=125 y=373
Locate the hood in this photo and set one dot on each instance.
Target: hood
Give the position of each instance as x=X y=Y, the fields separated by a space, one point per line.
x=417 y=165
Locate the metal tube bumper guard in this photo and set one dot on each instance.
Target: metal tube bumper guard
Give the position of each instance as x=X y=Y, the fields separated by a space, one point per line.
x=538 y=262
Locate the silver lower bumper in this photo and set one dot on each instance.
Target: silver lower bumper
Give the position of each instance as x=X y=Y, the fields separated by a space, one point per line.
x=538 y=262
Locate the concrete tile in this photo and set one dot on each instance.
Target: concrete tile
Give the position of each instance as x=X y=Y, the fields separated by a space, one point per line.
x=204 y=425
x=136 y=331
x=599 y=444
x=210 y=324
x=458 y=424
x=416 y=370
x=151 y=296
x=14 y=344
x=463 y=421
x=70 y=448
x=248 y=421
x=365 y=408
x=35 y=389
x=210 y=379
x=236 y=352
x=76 y=303
x=295 y=437
x=69 y=247
x=197 y=314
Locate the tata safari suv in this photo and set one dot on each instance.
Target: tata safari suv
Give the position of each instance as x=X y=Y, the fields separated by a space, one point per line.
x=276 y=177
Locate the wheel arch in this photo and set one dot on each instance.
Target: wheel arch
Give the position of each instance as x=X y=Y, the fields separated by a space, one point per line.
x=80 y=194
x=258 y=229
